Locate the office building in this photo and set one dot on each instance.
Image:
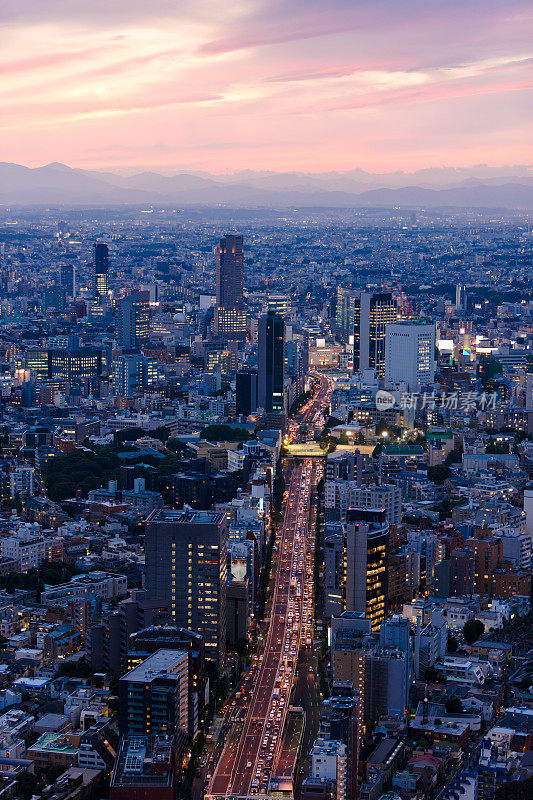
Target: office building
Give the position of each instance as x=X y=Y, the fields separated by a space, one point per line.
x=64 y=364
x=367 y=536
x=329 y=764
x=131 y=372
x=279 y=303
x=333 y=574
x=488 y=555
x=101 y=270
x=22 y=481
x=430 y=643
x=67 y=279
x=54 y=297
x=230 y=313
x=246 y=392
x=343 y=495
x=133 y=320
x=271 y=363
x=395 y=634
x=26 y=547
x=376 y=311
x=410 y=354
x=145 y=766
x=346 y=313
x=186 y=568
x=170 y=637
x=462 y=572
x=153 y=697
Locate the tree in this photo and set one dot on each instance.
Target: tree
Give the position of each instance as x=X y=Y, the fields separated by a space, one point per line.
x=453 y=644
x=454 y=706
x=439 y=473
x=472 y=630
x=225 y=433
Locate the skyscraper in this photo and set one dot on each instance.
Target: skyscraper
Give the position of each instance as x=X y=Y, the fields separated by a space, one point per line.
x=346 y=312
x=271 y=363
x=67 y=278
x=230 y=314
x=186 y=566
x=153 y=697
x=410 y=354
x=101 y=266
x=367 y=537
x=132 y=371
x=133 y=320
x=246 y=391
x=375 y=311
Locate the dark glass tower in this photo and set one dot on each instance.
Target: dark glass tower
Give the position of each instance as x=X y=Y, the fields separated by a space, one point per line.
x=271 y=363
x=230 y=314
x=101 y=267
x=67 y=278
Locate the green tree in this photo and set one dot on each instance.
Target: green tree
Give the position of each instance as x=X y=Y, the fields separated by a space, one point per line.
x=439 y=473
x=453 y=644
x=454 y=706
x=472 y=630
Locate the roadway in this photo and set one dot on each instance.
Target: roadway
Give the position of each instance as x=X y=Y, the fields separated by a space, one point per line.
x=248 y=761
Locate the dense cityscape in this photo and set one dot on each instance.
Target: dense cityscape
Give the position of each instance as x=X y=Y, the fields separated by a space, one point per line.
x=266 y=515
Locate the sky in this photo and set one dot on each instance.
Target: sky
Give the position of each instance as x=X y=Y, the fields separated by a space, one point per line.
x=282 y=85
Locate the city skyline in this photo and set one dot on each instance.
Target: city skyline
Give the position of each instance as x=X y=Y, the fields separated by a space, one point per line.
x=263 y=86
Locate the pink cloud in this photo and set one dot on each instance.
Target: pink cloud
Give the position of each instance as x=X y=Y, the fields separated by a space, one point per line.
x=301 y=84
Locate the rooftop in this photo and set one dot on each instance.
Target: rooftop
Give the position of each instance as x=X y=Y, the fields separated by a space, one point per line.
x=161 y=663
x=189 y=517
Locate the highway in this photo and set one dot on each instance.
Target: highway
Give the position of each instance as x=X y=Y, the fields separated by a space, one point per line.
x=248 y=761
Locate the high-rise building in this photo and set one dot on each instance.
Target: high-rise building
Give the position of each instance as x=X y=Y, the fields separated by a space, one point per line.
x=230 y=313
x=462 y=572
x=346 y=312
x=132 y=371
x=66 y=364
x=488 y=555
x=271 y=363
x=186 y=568
x=395 y=634
x=67 y=279
x=133 y=320
x=144 y=642
x=101 y=267
x=54 y=297
x=329 y=764
x=376 y=310
x=279 y=304
x=367 y=539
x=154 y=696
x=246 y=391
x=410 y=354
x=333 y=574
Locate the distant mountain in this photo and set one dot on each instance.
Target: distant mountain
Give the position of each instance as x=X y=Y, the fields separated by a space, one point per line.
x=58 y=184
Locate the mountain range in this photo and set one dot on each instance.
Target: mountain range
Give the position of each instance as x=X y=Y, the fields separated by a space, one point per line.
x=476 y=187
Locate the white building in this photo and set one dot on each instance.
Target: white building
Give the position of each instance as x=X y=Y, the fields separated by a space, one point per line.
x=341 y=495
x=430 y=643
x=27 y=548
x=328 y=763
x=23 y=481
x=105 y=585
x=410 y=354
x=462 y=670
x=516 y=547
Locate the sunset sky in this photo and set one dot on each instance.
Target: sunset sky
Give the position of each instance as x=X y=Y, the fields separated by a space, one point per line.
x=310 y=85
